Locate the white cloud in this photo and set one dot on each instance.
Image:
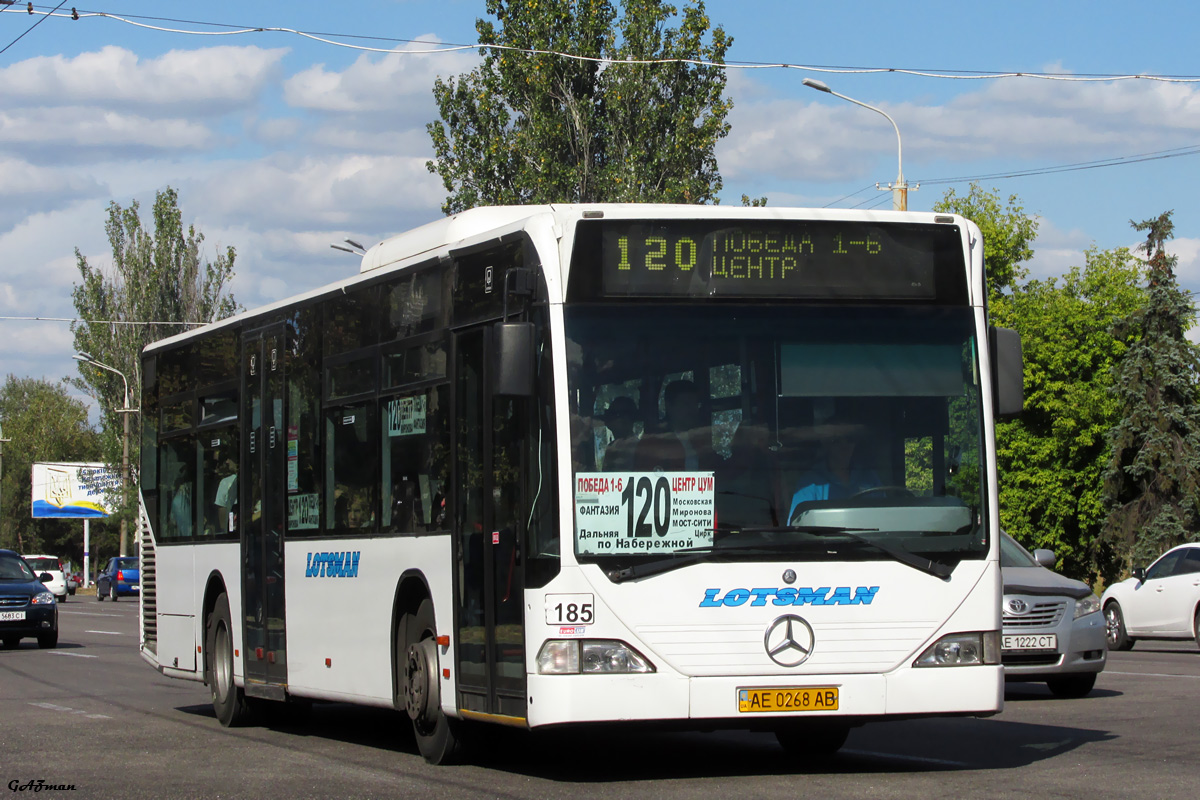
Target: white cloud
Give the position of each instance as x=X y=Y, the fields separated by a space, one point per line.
x=90 y=128
x=1019 y=121
x=354 y=191
x=377 y=83
x=210 y=78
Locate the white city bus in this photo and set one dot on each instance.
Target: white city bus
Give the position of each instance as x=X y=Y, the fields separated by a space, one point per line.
x=560 y=465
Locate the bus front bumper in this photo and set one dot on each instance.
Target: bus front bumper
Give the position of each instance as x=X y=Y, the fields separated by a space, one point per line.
x=911 y=692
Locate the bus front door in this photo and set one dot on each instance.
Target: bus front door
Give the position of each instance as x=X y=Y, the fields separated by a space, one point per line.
x=489 y=571
x=263 y=458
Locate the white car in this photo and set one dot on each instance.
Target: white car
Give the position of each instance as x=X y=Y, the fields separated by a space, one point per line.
x=1160 y=602
x=51 y=564
x=1052 y=630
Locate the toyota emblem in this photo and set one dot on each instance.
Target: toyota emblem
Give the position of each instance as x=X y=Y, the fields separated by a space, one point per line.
x=789 y=640
x=1016 y=606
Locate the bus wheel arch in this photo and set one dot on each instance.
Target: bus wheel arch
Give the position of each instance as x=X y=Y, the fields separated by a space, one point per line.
x=417 y=674
x=228 y=699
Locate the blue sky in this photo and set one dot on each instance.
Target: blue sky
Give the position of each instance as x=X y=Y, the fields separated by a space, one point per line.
x=280 y=144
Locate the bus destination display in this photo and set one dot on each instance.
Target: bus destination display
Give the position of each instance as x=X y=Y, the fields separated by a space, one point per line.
x=774 y=258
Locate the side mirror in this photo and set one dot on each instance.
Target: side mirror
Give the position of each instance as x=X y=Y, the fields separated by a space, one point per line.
x=1045 y=557
x=514 y=362
x=1139 y=573
x=1008 y=372
x=45 y=577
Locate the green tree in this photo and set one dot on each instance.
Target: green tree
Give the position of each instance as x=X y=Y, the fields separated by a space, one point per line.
x=1152 y=484
x=542 y=128
x=157 y=285
x=1008 y=234
x=1052 y=458
x=42 y=423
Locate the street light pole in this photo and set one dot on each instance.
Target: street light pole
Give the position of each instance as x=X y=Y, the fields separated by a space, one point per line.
x=125 y=412
x=2 y=441
x=900 y=187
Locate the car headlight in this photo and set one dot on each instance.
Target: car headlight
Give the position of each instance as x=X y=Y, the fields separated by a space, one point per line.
x=590 y=657
x=42 y=598
x=962 y=650
x=1087 y=605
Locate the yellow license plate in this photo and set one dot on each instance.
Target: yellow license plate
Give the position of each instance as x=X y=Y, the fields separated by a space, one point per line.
x=788 y=698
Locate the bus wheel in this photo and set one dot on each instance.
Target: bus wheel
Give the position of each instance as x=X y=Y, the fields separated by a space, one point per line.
x=437 y=735
x=229 y=702
x=813 y=739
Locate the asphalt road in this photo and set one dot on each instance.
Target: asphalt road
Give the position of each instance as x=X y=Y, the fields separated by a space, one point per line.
x=92 y=714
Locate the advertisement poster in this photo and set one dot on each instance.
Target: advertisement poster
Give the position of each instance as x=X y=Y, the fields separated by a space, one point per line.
x=74 y=490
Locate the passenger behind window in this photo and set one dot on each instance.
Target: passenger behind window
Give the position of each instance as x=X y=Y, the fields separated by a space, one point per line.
x=682 y=446
x=620 y=417
x=838 y=475
x=226 y=500
x=181 y=507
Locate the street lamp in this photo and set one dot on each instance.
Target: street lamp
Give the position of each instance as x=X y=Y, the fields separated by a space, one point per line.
x=125 y=412
x=899 y=188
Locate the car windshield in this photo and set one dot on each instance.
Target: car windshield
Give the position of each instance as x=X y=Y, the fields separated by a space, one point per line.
x=14 y=569
x=1012 y=554
x=703 y=426
x=42 y=564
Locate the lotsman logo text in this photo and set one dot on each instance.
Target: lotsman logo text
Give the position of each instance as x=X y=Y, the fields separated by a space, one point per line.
x=790 y=596
x=332 y=565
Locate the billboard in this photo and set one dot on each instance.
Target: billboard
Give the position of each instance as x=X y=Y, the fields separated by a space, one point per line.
x=73 y=490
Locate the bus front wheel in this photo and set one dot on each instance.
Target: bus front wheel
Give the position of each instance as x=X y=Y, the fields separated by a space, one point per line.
x=229 y=702
x=438 y=736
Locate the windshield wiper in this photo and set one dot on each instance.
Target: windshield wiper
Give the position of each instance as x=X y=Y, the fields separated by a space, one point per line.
x=693 y=555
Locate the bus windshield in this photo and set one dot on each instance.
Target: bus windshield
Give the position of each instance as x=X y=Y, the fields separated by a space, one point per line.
x=764 y=431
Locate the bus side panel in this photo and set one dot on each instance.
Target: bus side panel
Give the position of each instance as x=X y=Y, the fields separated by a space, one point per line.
x=177 y=609
x=340 y=601
x=180 y=603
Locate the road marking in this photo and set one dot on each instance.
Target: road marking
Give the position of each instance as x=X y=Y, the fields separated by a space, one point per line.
x=53 y=707
x=65 y=653
x=1149 y=674
x=89 y=614
x=110 y=633
x=896 y=757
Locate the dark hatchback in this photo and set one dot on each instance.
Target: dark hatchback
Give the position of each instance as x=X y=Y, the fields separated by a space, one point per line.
x=27 y=607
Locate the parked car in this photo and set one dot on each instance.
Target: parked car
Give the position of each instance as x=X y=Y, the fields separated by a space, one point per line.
x=74 y=581
x=27 y=606
x=1159 y=602
x=122 y=577
x=51 y=564
x=1052 y=628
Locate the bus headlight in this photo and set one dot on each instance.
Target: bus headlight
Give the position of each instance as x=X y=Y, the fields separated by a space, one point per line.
x=962 y=650
x=590 y=657
x=1086 y=605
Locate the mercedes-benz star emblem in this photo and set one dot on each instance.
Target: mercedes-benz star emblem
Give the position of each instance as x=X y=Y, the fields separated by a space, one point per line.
x=789 y=640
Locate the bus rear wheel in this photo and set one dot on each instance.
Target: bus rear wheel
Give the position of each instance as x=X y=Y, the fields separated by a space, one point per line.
x=229 y=702
x=438 y=736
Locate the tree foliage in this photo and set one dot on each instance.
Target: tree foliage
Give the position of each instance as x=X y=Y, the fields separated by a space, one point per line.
x=1008 y=234
x=1152 y=484
x=157 y=280
x=1052 y=458
x=42 y=423
x=541 y=128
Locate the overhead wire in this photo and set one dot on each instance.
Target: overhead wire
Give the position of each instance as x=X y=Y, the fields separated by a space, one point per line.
x=328 y=38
